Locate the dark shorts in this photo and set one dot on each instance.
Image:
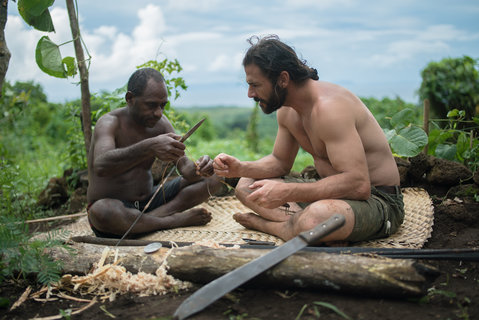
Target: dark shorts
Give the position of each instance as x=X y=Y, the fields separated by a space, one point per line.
x=167 y=192
x=378 y=217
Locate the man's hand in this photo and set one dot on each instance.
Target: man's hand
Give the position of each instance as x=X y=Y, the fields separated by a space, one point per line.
x=204 y=166
x=227 y=166
x=268 y=193
x=167 y=147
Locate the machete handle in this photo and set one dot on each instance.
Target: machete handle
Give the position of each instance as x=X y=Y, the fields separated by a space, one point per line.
x=323 y=229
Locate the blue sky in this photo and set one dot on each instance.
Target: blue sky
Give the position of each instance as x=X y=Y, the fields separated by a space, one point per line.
x=373 y=48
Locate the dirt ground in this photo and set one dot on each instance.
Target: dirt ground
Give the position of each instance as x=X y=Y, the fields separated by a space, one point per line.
x=456 y=290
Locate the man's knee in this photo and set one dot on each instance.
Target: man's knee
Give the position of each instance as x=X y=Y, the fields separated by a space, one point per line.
x=321 y=211
x=214 y=184
x=242 y=189
x=99 y=214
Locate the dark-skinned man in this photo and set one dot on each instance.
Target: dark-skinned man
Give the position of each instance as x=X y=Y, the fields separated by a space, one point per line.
x=125 y=143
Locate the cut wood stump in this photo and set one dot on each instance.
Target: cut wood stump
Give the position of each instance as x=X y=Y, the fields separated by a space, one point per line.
x=344 y=273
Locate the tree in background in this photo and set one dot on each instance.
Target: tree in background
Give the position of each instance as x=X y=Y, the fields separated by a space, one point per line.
x=4 y=52
x=47 y=54
x=452 y=83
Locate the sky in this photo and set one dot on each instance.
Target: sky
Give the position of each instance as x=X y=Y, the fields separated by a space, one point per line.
x=374 y=48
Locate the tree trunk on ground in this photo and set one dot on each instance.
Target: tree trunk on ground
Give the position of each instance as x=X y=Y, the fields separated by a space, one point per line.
x=344 y=273
x=4 y=52
x=85 y=90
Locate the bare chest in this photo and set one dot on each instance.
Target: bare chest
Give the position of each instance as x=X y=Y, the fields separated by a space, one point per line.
x=309 y=140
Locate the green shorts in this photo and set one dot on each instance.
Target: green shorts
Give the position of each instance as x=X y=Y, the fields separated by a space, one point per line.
x=378 y=217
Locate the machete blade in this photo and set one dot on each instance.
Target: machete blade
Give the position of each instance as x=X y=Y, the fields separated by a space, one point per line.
x=224 y=284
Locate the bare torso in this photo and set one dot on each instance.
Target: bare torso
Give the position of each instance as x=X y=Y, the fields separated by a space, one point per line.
x=135 y=183
x=380 y=162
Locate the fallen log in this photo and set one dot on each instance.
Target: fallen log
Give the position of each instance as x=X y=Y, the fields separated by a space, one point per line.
x=348 y=273
x=337 y=272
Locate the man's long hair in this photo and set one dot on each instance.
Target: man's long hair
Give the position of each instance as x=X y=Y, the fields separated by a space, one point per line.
x=273 y=56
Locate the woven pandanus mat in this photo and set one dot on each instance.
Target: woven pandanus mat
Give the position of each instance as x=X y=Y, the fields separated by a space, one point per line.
x=413 y=233
x=222 y=228
x=417 y=225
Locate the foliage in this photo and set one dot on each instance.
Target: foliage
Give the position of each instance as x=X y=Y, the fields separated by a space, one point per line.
x=452 y=83
x=47 y=54
x=36 y=14
x=405 y=139
x=49 y=59
x=457 y=140
x=227 y=121
x=239 y=148
x=382 y=110
x=252 y=130
x=20 y=254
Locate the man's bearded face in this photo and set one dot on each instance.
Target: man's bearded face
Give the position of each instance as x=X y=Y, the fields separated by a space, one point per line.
x=275 y=101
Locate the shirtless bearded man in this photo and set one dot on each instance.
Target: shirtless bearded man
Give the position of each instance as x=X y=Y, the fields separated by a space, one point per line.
x=359 y=177
x=125 y=143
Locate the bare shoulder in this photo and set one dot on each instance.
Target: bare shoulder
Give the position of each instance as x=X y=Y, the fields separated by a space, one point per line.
x=109 y=121
x=287 y=116
x=338 y=102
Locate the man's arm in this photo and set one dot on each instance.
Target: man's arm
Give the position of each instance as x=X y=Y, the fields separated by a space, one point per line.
x=109 y=160
x=276 y=164
x=337 y=131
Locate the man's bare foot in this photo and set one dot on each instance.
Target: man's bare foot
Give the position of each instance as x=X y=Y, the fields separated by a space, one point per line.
x=248 y=220
x=192 y=217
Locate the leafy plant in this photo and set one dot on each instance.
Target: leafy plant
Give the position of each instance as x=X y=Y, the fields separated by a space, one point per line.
x=21 y=254
x=382 y=109
x=47 y=54
x=456 y=141
x=405 y=139
x=452 y=83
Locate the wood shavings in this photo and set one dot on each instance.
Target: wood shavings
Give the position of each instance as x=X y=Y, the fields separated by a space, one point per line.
x=213 y=244
x=108 y=280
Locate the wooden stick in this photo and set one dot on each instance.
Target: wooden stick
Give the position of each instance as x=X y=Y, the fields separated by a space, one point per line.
x=68 y=216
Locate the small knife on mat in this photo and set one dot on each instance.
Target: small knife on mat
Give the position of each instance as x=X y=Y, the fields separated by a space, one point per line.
x=224 y=284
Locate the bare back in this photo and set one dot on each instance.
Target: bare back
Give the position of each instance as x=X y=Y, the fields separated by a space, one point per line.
x=339 y=113
x=116 y=132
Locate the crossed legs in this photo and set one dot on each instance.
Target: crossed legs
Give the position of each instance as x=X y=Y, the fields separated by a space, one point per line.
x=112 y=217
x=286 y=225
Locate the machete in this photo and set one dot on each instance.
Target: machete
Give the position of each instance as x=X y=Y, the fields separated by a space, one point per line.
x=224 y=284
x=186 y=136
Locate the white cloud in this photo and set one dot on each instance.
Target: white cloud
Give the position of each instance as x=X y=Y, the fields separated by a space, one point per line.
x=346 y=39
x=195 y=6
x=433 y=40
x=224 y=62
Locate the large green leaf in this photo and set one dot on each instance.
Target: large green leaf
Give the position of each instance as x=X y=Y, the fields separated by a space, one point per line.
x=36 y=7
x=70 y=65
x=409 y=141
x=49 y=58
x=446 y=151
x=402 y=118
x=36 y=14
